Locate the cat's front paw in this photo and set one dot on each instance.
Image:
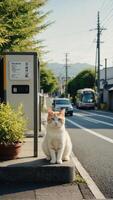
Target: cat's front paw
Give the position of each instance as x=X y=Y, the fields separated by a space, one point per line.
x=59 y=161
x=48 y=158
x=66 y=158
x=53 y=161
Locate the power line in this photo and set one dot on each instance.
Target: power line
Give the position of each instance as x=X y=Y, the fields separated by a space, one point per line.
x=108 y=12
x=108 y=16
x=104 y=6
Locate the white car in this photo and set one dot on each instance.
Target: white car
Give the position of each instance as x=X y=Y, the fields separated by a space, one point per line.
x=63 y=103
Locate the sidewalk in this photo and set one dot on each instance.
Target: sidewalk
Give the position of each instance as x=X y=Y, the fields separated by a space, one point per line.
x=29 y=178
x=42 y=192
x=17 y=186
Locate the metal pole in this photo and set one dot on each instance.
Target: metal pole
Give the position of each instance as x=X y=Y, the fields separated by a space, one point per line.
x=40 y=98
x=96 y=70
x=105 y=70
x=66 y=77
x=36 y=111
x=98 y=47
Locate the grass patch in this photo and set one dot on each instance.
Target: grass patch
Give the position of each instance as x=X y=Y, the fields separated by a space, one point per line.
x=79 y=179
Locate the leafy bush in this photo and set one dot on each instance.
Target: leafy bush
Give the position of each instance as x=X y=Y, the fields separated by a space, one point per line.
x=12 y=124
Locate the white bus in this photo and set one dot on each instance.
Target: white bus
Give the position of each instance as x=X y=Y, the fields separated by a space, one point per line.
x=85 y=98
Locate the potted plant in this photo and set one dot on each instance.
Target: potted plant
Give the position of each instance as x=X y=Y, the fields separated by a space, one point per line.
x=12 y=128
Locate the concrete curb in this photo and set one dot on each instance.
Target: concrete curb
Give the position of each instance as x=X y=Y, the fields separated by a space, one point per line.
x=37 y=174
x=30 y=169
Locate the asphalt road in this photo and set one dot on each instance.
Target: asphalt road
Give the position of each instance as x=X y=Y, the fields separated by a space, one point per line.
x=92 y=137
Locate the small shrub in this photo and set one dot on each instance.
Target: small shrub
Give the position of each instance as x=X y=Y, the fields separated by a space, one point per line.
x=12 y=124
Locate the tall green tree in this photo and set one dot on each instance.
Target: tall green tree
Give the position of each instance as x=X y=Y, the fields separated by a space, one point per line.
x=85 y=79
x=20 y=22
x=48 y=82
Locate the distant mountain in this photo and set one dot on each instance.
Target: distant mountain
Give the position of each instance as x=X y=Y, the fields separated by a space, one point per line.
x=73 y=69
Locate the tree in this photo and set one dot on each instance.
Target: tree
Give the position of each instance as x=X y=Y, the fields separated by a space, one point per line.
x=48 y=82
x=84 y=79
x=20 y=22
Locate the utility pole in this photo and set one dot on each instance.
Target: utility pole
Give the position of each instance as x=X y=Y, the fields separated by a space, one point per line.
x=105 y=70
x=98 y=48
x=99 y=31
x=96 y=69
x=66 y=67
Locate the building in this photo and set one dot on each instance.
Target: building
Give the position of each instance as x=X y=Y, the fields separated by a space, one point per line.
x=106 y=86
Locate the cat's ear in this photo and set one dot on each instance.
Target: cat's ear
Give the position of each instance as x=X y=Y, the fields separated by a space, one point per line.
x=62 y=112
x=50 y=111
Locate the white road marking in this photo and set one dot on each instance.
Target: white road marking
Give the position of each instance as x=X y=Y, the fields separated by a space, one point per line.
x=96 y=114
x=86 y=118
x=93 y=120
x=91 y=184
x=91 y=132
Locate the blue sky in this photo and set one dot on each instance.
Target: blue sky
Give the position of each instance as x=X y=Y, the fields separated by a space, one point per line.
x=70 y=33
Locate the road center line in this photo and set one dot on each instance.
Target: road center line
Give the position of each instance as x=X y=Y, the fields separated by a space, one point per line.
x=90 y=131
x=87 y=118
x=96 y=114
x=94 y=120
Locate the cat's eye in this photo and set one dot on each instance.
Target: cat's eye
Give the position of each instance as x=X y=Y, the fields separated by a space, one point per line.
x=59 y=119
x=52 y=118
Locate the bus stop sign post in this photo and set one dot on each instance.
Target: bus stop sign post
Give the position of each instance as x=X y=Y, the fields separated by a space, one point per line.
x=21 y=86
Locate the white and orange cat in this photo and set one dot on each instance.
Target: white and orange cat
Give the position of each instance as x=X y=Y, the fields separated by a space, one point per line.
x=57 y=144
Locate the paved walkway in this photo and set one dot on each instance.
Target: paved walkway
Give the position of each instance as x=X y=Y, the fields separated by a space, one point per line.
x=40 y=192
x=36 y=191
